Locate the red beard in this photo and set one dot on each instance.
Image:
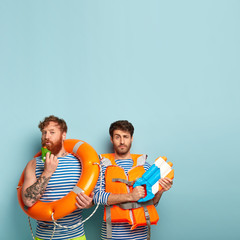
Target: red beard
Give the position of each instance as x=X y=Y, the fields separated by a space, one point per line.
x=54 y=148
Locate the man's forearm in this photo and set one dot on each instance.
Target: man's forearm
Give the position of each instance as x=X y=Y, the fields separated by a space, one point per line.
x=32 y=194
x=118 y=198
x=137 y=193
x=157 y=197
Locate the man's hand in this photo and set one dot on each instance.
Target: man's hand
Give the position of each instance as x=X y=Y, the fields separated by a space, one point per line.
x=84 y=201
x=51 y=164
x=166 y=184
x=137 y=193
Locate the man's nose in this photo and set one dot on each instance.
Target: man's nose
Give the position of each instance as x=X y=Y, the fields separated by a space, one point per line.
x=47 y=135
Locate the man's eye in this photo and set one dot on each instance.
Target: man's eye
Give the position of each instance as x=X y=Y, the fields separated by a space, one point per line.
x=52 y=132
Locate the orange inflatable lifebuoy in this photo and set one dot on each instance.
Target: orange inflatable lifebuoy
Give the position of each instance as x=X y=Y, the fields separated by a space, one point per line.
x=87 y=181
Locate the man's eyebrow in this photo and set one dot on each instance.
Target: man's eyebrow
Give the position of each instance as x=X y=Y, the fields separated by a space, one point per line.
x=52 y=129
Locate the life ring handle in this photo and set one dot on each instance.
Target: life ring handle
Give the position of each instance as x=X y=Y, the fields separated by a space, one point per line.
x=90 y=171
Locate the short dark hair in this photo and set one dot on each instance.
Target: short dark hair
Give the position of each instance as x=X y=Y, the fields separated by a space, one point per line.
x=62 y=124
x=123 y=125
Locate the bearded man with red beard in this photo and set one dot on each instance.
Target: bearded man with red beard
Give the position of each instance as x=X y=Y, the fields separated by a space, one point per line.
x=53 y=179
x=120 y=169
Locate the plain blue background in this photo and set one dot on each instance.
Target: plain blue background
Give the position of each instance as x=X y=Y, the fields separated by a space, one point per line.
x=169 y=67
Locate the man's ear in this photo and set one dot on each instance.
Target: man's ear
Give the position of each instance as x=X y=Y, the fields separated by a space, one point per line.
x=64 y=136
x=111 y=139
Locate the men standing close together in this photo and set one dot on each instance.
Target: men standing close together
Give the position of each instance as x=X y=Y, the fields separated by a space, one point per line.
x=124 y=217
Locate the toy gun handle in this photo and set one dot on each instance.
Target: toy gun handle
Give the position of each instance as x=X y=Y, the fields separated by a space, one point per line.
x=158 y=170
x=148 y=179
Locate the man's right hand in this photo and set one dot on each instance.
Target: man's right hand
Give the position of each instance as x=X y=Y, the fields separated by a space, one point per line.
x=137 y=193
x=51 y=164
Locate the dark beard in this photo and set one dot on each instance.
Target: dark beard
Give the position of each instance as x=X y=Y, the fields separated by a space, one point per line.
x=54 y=148
x=122 y=152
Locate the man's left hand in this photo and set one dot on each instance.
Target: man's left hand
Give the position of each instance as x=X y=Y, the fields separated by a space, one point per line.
x=84 y=201
x=166 y=183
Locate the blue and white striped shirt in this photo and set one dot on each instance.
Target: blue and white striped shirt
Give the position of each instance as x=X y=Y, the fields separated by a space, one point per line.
x=61 y=183
x=120 y=231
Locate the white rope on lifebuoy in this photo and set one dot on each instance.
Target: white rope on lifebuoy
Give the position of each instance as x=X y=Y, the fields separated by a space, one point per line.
x=54 y=228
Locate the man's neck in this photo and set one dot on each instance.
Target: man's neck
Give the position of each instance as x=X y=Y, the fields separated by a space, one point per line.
x=123 y=156
x=62 y=153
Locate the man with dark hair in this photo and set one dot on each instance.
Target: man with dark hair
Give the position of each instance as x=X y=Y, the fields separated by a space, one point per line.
x=123 y=125
x=53 y=179
x=124 y=217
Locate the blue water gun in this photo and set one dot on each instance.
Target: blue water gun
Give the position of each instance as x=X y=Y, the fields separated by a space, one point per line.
x=158 y=170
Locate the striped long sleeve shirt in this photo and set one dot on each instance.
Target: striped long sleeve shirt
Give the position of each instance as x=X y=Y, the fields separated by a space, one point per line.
x=120 y=231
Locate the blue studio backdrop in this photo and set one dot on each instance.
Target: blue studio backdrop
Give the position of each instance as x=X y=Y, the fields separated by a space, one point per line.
x=169 y=67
